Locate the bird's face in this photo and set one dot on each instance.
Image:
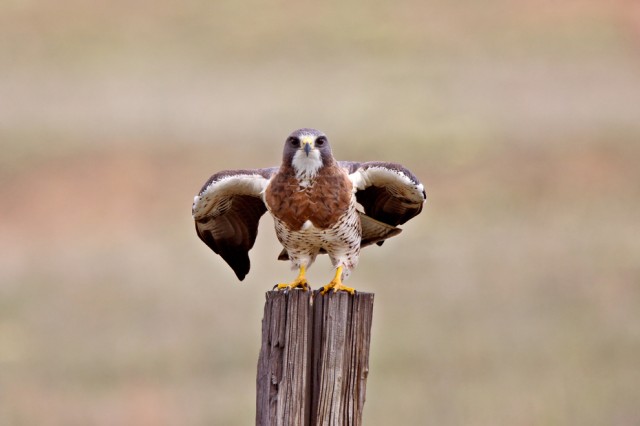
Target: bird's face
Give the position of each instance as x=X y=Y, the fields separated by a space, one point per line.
x=307 y=150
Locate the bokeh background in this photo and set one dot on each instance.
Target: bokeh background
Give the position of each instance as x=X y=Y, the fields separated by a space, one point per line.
x=514 y=299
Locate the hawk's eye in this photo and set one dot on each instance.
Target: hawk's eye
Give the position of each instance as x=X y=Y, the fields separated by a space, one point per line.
x=320 y=141
x=294 y=141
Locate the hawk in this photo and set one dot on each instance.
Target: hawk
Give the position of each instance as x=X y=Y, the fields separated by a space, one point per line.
x=319 y=205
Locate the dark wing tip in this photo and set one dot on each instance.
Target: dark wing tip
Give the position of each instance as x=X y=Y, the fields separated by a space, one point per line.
x=232 y=234
x=241 y=266
x=236 y=257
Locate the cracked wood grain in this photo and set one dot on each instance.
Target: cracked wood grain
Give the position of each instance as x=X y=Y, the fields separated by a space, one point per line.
x=314 y=358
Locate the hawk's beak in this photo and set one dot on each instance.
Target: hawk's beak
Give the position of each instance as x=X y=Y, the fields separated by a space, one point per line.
x=307 y=148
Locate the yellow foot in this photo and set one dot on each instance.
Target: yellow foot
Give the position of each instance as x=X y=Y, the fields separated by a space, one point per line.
x=337 y=287
x=336 y=284
x=301 y=282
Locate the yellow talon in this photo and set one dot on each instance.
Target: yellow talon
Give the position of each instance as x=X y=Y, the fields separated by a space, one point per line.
x=336 y=284
x=300 y=281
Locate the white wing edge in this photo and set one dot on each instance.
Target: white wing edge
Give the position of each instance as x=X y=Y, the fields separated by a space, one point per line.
x=213 y=199
x=394 y=180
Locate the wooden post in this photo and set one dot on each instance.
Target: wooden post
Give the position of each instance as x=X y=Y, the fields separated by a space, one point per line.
x=314 y=358
x=283 y=387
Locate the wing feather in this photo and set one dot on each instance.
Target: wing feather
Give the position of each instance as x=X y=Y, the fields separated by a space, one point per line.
x=227 y=211
x=388 y=192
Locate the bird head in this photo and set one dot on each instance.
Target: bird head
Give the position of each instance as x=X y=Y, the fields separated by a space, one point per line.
x=307 y=150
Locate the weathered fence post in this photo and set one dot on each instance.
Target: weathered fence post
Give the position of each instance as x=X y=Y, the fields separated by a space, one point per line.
x=314 y=358
x=341 y=337
x=283 y=387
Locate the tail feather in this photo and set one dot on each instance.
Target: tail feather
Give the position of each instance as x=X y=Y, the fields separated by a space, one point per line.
x=375 y=232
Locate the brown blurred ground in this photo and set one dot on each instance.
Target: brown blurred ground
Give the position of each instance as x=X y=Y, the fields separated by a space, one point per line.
x=522 y=120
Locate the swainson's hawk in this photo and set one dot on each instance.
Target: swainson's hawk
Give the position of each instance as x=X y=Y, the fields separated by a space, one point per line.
x=314 y=203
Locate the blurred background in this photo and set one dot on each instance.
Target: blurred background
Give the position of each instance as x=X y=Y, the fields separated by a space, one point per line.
x=514 y=299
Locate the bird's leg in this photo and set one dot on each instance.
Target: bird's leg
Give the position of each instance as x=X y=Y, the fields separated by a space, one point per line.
x=300 y=281
x=336 y=284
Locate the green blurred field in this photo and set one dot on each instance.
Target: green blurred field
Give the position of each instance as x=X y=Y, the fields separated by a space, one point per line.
x=522 y=120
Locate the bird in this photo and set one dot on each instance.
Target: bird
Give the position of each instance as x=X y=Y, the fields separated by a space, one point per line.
x=319 y=206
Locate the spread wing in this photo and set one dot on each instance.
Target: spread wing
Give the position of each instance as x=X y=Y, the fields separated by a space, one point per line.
x=388 y=192
x=226 y=212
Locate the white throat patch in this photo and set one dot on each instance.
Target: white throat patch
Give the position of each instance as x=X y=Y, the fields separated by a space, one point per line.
x=306 y=167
